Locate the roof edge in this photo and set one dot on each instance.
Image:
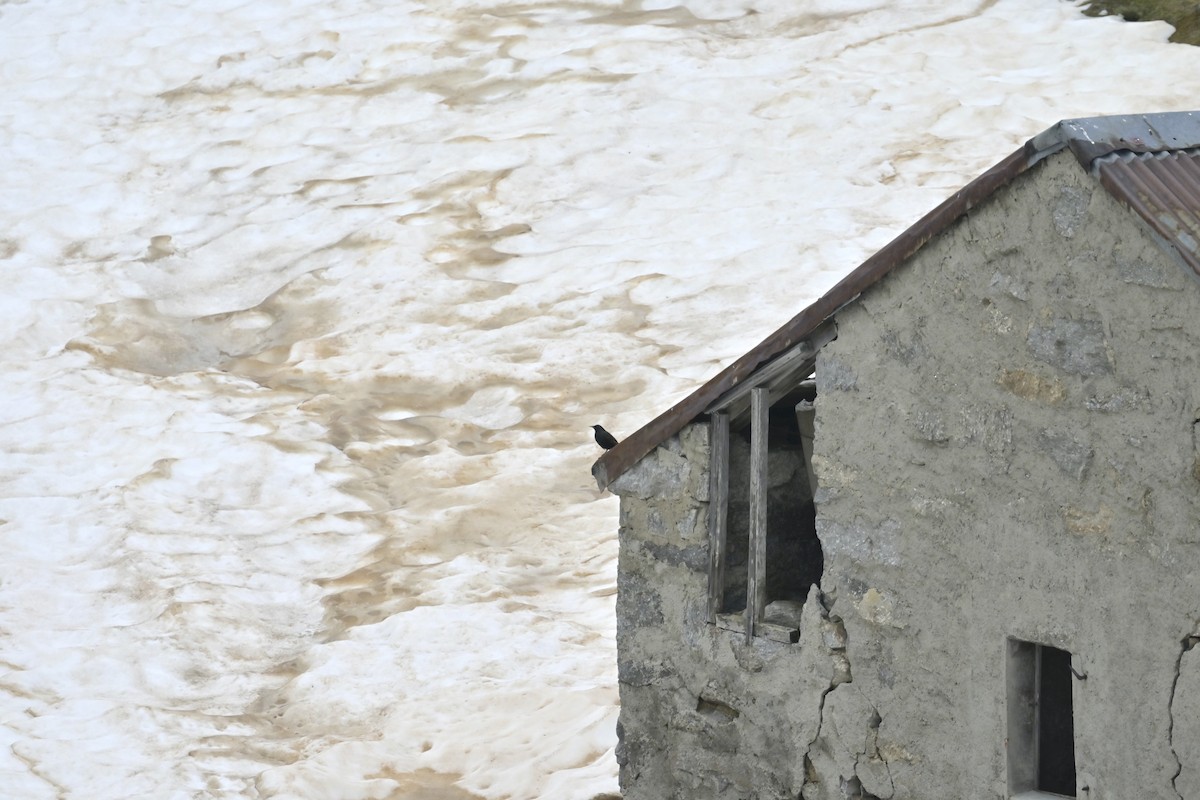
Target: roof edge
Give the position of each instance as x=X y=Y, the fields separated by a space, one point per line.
x=1089 y=139
x=634 y=448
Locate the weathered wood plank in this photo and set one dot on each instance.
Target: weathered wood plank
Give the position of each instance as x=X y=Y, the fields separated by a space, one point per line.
x=780 y=375
x=718 y=503
x=756 y=588
x=736 y=623
x=805 y=418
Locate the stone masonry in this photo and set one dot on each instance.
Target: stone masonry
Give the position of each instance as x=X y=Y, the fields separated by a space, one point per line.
x=1006 y=447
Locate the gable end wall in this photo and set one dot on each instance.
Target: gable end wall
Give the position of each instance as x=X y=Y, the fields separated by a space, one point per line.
x=1005 y=448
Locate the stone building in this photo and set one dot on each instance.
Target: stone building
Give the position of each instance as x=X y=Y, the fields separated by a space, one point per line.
x=938 y=537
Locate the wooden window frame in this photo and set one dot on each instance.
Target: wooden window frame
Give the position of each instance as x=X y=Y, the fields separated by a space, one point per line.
x=753 y=398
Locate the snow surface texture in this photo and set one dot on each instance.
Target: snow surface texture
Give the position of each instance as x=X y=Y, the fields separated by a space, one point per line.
x=308 y=306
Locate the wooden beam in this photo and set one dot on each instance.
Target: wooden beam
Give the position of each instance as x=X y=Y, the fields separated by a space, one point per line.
x=735 y=623
x=718 y=503
x=708 y=398
x=805 y=418
x=756 y=587
x=780 y=375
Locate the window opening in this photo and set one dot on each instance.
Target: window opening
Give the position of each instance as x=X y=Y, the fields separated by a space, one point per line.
x=1056 y=723
x=770 y=488
x=1041 y=722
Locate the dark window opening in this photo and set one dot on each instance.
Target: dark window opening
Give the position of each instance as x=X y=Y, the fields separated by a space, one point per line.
x=1056 y=723
x=1041 y=721
x=793 y=557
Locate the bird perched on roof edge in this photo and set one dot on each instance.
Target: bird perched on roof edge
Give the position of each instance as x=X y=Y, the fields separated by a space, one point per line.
x=604 y=438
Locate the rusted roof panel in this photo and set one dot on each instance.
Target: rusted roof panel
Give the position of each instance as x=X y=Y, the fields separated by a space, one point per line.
x=1137 y=158
x=1164 y=189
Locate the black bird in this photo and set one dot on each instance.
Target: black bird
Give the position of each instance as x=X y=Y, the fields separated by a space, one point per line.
x=604 y=438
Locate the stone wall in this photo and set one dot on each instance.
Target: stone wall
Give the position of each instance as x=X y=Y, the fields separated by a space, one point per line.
x=704 y=714
x=1005 y=447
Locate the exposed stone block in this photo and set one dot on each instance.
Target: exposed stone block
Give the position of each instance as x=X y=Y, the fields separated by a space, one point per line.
x=1088 y=521
x=860 y=541
x=694 y=439
x=1031 y=386
x=1010 y=285
x=1152 y=274
x=834 y=375
x=660 y=474
x=712 y=727
x=904 y=346
x=833 y=634
x=748 y=656
x=654 y=523
x=694 y=557
x=1116 y=402
x=689 y=526
x=832 y=475
x=640 y=673
x=638 y=602
x=878 y=608
x=1070 y=210
x=990 y=426
x=1072 y=457
x=1073 y=345
x=929 y=426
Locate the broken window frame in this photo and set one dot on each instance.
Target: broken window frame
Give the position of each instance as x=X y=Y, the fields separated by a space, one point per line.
x=754 y=398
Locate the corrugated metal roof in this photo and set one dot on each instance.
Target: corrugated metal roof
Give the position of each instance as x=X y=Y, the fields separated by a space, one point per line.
x=1147 y=161
x=1164 y=189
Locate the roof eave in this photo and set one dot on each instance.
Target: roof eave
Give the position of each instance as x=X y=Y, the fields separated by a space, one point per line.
x=634 y=448
x=1089 y=139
